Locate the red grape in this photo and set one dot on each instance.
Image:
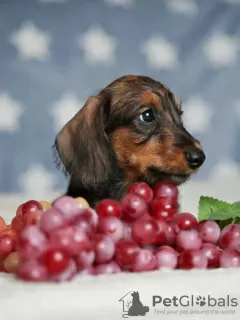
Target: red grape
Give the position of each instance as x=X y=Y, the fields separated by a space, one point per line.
x=32 y=242
x=68 y=274
x=163 y=235
x=17 y=223
x=145 y=260
x=32 y=217
x=104 y=248
x=162 y=209
x=133 y=206
x=85 y=258
x=55 y=260
x=72 y=239
x=52 y=219
x=166 y=257
x=31 y=206
x=126 y=251
x=230 y=237
x=108 y=208
x=142 y=189
x=212 y=254
x=171 y=236
x=107 y=268
x=209 y=231
x=68 y=206
x=164 y=189
x=7 y=244
x=185 y=221
x=145 y=231
x=190 y=259
x=229 y=258
x=32 y=270
x=19 y=210
x=3 y=225
x=111 y=226
x=188 y=240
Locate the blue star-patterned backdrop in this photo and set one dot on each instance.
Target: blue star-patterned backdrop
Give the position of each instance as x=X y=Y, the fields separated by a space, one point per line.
x=55 y=53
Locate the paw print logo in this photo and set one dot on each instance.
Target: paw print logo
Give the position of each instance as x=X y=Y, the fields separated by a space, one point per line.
x=201 y=301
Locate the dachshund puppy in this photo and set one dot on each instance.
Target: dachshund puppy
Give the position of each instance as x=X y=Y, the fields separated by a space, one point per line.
x=131 y=131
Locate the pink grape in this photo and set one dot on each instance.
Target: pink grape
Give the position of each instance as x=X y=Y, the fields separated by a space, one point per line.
x=190 y=259
x=107 y=268
x=104 y=248
x=111 y=226
x=68 y=206
x=143 y=190
x=145 y=260
x=89 y=271
x=127 y=231
x=145 y=231
x=188 y=240
x=133 y=206
x=52 y=219
x=212 y=254
x=209 y=231
x=166 y=257
x=68 y=274
x=165 y=189
x=84 y=223
x=91 y=215
x=185 y=221
x=72 y=239
x=230 y=237
x=32 y=242
x=126 y=251
x=108 y=208
x=32 y=270
x=229 y=258
x=85 y=258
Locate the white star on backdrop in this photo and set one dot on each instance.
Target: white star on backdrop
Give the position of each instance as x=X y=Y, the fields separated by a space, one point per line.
x=10 y=113
x=226 y=169
x=98 y=46
x=221 y=50
x=186 y=7
x=31 y=42
x=37 y=181
x=64 y=109
x=197 y=115
x=123 y=3
x=160 y=53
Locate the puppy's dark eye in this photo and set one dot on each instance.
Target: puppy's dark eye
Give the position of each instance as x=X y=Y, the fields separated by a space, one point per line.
x=147 y=116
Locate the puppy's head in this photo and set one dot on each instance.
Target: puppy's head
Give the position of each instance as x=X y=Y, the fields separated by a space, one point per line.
x=133 y=127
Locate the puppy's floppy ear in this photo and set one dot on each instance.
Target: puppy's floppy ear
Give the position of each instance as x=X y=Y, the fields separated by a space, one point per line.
x=83 y=147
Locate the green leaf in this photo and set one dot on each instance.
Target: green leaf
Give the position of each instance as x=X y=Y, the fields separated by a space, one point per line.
x=209 y=206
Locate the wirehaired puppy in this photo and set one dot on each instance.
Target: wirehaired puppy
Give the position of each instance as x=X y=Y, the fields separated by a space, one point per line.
x=131 y=131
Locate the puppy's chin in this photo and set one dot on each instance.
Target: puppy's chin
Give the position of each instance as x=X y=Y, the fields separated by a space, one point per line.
x=156 y=175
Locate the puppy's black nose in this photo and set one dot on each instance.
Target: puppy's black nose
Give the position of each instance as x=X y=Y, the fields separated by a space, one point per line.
x=195 y=157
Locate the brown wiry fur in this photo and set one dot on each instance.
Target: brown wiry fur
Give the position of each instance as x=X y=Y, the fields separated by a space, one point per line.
x=105 y=147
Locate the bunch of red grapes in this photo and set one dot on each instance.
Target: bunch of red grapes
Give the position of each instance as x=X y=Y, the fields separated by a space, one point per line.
x=143 y=232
